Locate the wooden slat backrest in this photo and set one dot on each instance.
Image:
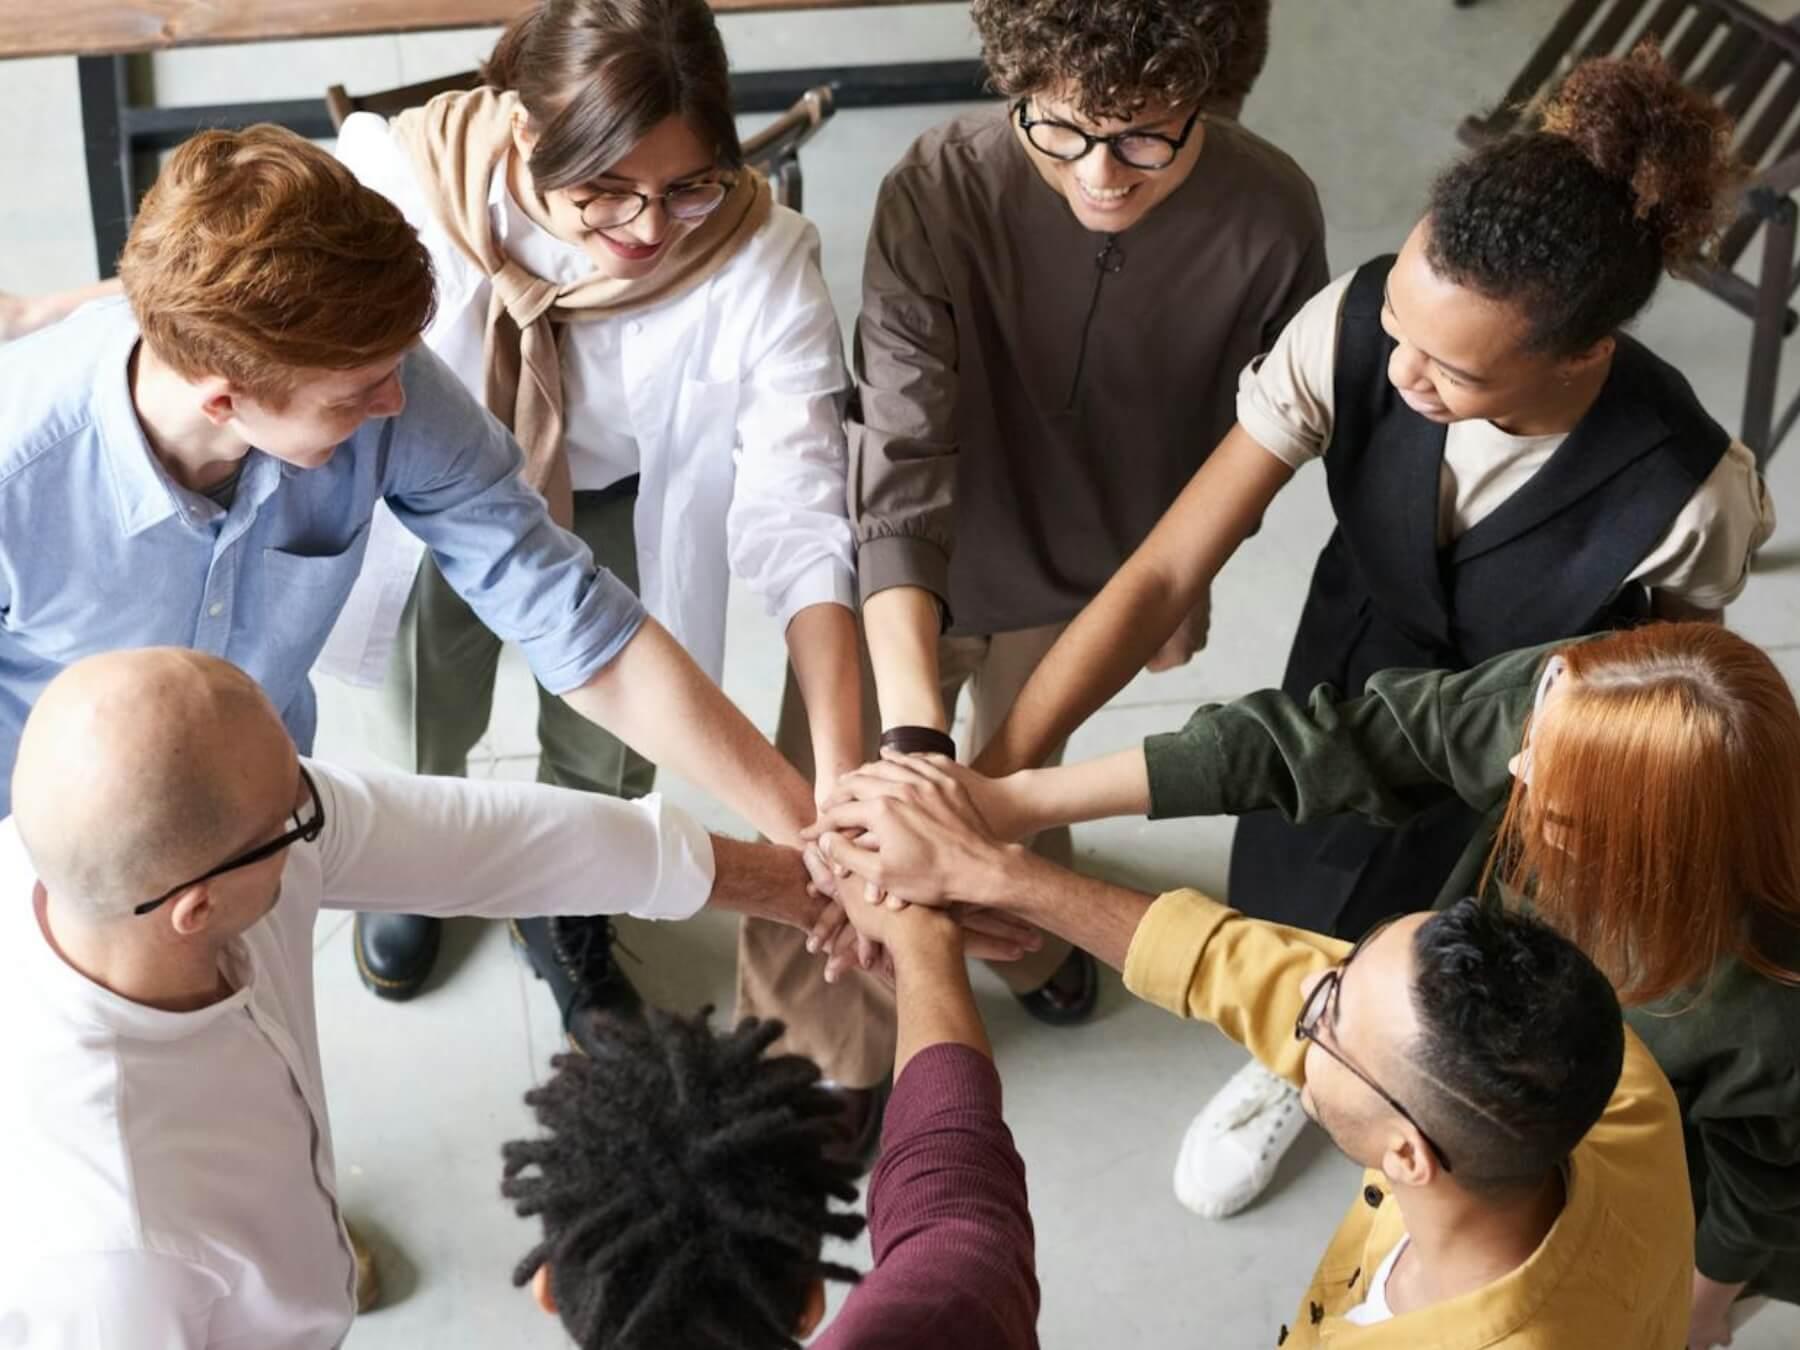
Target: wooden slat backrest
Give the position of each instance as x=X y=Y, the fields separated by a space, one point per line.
x=1685 y=50
x=1756 y=136
x=1735 y=54
x=1611 y=28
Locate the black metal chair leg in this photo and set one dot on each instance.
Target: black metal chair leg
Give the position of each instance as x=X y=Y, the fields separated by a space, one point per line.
x=1770 y=320
x=112 y=194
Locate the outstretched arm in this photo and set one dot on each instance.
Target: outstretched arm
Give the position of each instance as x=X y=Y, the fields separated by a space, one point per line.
x=949 y=1215
x=653 y=696
x=1158 y=587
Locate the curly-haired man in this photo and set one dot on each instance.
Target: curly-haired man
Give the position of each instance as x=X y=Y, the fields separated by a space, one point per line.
x=1058 y=296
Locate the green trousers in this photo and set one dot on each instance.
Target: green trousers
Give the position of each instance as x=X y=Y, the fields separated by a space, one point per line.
x=439 y=690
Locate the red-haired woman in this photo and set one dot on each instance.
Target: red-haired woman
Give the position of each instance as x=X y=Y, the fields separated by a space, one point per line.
x=1641 y=789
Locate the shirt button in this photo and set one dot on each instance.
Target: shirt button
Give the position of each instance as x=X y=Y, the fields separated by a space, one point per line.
x=637 y=326
x=215 y=609
x=1372 y=1196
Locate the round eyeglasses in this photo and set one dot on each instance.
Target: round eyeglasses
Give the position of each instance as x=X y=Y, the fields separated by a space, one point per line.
x=1134 y=149
x=688 y=202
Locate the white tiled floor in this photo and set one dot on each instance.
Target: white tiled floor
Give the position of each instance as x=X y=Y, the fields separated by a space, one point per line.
x=1365 y=94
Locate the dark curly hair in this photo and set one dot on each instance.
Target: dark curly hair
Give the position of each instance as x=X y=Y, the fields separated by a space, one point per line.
x=1627 y=174
x=682 y=1186
x=1520 y=1042
x=1117 y=56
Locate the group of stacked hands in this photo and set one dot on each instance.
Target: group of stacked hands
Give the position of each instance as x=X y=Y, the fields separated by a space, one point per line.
x=1570 y=1080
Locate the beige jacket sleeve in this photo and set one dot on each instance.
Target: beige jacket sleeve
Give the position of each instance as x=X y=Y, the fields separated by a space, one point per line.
x=902 y=420
x=1195 y=957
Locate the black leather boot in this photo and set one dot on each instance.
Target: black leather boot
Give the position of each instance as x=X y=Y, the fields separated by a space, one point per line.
x=574 y=956
x=395 y=952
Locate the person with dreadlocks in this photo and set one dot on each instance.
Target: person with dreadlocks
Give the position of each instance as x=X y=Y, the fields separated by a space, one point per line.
x=685 y=1187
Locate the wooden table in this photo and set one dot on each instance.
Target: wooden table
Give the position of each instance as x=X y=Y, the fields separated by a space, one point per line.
x=121 y=27
x=122 y=135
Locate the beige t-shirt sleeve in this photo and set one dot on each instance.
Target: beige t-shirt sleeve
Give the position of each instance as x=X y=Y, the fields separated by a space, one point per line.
x=1285 y=398
x=1704 y=559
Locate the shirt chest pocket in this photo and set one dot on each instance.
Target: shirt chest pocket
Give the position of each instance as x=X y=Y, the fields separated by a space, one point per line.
x=302 y=590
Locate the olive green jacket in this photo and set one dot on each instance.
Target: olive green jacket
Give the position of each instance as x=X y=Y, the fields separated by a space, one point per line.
x=1732 y=1051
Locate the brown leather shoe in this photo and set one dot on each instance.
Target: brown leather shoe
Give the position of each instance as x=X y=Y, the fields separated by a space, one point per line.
x=858 y=1136
x=368 y=1282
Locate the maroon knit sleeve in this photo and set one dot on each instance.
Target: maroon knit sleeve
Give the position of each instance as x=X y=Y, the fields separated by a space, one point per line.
x=949 y=1223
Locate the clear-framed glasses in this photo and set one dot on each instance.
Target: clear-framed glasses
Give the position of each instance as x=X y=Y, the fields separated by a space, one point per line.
x=308 y=829
x=1134 y=149
x=1312 y=1013
x=688 y=202
x=1552 y=673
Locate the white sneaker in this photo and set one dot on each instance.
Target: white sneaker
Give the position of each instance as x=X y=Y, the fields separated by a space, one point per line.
x=1231 y=1150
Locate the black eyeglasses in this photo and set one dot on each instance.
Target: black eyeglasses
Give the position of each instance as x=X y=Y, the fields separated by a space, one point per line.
x=308 y=830
x=689 y=202
x=1134 y=149
x=1306 y=1029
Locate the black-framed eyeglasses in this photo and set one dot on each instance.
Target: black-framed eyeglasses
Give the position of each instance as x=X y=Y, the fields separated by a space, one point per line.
x=688 y=202
x=1306 y=1029
x=1134 y=149
x=308 y=830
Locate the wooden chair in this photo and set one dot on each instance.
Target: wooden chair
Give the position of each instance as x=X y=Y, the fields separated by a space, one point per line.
x=775 y=149
x=1749 y=64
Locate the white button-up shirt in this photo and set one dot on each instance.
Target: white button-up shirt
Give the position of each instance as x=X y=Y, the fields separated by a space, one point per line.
x=727 y=400
x=166 y=1179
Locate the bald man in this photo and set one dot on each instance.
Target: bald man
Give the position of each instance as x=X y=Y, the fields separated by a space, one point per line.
x=165 y=1155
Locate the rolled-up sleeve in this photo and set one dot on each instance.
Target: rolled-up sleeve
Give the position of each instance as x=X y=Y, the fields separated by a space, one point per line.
x=1286 y=398
x=1195 y=957
x=788 y=531
x=902 y=424
x=419 y=844
x=1705 y=558
x=452 y=478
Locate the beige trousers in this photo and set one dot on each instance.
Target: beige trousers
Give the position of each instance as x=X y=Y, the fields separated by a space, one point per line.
x=848 y=1027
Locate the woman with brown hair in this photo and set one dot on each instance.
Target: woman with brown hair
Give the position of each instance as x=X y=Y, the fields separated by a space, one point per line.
x=1641 y=789
x=624 y=294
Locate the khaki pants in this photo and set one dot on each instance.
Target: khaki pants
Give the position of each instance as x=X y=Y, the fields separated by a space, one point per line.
x=439 y=691
x=848 y=1027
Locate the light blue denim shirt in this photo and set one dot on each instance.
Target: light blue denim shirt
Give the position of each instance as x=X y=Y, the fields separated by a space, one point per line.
x=101 y=549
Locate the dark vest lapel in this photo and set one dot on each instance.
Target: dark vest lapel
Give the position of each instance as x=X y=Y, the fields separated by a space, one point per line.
x=1620 y=430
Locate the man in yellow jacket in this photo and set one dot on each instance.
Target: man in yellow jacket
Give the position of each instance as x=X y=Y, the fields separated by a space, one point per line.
x=1526 y=1182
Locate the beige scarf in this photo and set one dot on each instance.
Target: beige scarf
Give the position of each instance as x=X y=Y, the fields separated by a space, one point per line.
x=456 y=142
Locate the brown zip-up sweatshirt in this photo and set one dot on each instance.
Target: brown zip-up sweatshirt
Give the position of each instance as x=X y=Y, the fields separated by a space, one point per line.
x=1032 y=396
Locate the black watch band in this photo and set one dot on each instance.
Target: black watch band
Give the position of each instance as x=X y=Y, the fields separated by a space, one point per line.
x=918 y=741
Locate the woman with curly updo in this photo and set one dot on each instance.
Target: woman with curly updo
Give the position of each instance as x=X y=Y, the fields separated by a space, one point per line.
x=1057 y=296
x=1506 y=466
